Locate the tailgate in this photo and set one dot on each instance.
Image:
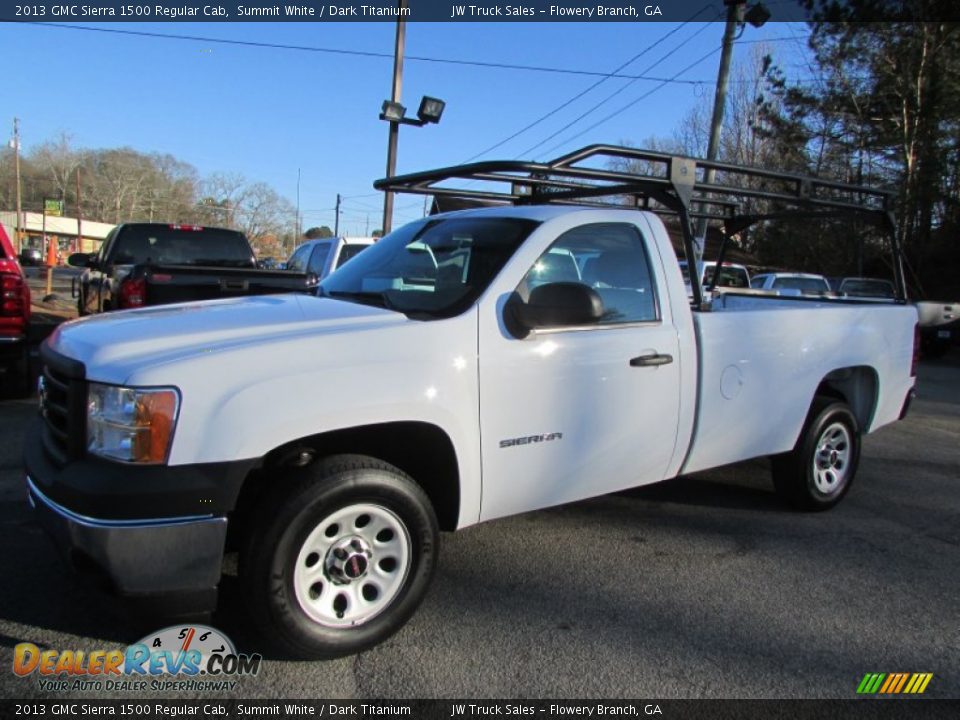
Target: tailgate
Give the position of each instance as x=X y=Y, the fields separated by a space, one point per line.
x=173 y=284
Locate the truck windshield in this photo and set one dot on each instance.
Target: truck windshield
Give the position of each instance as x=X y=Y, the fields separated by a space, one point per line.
x=803 y=284
x=868 y=288
x=730 y=276
x=431 y=268
x=181 y=245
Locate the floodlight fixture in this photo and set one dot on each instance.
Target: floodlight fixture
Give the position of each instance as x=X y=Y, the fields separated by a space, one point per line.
x=757 y=15
x=431 y=109
x=392 y=111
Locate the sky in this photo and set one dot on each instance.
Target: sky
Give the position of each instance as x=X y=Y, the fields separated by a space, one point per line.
x=269 y=113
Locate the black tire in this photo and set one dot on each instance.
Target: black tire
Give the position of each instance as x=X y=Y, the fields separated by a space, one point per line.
x=812 y=484
x=291 y=554
x=20 y=378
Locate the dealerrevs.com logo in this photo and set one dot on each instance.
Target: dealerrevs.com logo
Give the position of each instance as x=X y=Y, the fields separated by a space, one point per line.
x=179 y=658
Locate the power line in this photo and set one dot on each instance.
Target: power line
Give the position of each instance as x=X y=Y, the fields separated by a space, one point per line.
x=366 y=195
x=364 y=205
x=368 y=53
x=628 y=105
x=593 y=86
x=609 y=97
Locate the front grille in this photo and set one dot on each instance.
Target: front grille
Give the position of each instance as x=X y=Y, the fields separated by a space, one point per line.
x=63 y=396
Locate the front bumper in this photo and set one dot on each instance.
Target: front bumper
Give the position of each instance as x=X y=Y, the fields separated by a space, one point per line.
x=153 y=535
x=172 y=563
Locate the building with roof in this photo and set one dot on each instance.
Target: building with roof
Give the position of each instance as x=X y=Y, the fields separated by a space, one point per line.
x=62 y=229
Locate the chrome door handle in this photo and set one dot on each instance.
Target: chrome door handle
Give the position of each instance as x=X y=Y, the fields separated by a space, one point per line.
x=651 y=360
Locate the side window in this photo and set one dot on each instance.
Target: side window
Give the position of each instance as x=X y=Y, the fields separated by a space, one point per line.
x=105 y=247
x=298 y=261
x=612 y=259
x=349 y=251
x=319 y=258
x=758 y=281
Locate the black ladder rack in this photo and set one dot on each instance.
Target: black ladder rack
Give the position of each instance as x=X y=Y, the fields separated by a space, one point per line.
x=668 y=184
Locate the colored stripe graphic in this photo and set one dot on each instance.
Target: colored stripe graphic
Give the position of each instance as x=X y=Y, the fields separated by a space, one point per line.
x=891 y=680
x=899 y=687
x=894 y=683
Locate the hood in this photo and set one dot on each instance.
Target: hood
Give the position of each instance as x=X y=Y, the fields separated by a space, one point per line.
x=111 y=345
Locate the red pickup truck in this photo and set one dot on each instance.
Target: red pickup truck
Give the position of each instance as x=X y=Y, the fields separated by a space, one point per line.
x=14 y=320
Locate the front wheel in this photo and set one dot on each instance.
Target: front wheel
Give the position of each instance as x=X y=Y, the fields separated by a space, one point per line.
x=818 y=472
x=341 y=557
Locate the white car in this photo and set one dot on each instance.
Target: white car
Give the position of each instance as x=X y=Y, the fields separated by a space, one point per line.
x=791 y=283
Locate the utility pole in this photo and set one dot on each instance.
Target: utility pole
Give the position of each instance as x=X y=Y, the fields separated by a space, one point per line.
x=16 y=163
x=336 y=219
x=735 y=13
x=296 y=224
x=395 y=126
x=48 y=256
x=80 y=215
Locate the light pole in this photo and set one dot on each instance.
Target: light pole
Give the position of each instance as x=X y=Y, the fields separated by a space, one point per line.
x=737 y=16
x=430 y=111
x=394 y=125
x=394 y=113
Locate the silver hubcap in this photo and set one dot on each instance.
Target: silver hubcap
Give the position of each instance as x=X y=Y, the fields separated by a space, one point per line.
x=831 y=462
x=352 y=565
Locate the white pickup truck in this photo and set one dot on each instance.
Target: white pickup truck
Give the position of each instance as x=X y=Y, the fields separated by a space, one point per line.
x=468 y=366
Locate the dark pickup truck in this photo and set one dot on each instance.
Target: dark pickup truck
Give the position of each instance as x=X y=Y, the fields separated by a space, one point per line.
x=142 y=264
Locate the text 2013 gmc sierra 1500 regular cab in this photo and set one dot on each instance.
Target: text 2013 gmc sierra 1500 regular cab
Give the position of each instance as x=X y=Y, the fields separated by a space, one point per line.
x=468 y=366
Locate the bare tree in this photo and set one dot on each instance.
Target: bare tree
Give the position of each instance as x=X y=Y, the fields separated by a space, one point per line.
x=261 y=211
x=58 y=161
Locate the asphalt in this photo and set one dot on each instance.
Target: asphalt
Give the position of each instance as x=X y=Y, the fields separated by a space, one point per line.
x=701 y=587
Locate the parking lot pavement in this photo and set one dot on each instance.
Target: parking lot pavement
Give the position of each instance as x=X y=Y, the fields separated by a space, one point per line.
x=703 y=586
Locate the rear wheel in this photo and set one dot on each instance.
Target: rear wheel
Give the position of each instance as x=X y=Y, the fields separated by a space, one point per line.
x=341 y=557
x=818 y=472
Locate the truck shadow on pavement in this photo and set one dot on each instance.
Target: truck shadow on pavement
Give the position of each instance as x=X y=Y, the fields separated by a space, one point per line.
x=45 y=597
x=745 y=486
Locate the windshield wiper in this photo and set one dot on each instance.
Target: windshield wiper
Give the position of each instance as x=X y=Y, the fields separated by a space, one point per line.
x=376 y=298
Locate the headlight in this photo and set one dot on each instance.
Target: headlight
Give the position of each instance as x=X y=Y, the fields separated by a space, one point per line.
x=131 y=424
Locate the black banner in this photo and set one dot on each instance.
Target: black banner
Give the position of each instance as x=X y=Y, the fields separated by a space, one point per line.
x=456 y=11
x=479 y=709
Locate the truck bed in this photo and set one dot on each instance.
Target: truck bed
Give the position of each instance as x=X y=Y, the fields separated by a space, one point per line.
x=771 y=353
x=183 y=283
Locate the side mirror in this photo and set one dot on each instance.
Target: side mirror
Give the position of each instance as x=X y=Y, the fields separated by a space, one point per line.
x=80 y=260
x=559 y=304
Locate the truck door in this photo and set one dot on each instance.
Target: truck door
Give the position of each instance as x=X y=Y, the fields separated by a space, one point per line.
x=94 y=278
x=569 y=413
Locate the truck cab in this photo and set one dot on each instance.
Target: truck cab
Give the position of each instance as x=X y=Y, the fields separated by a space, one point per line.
x=324 y=255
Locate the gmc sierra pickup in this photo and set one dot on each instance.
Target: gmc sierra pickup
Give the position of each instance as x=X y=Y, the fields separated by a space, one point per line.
x=466 y=367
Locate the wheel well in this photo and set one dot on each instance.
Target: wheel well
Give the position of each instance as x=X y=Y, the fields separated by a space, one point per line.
x=858 y=387
x=421 y=450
